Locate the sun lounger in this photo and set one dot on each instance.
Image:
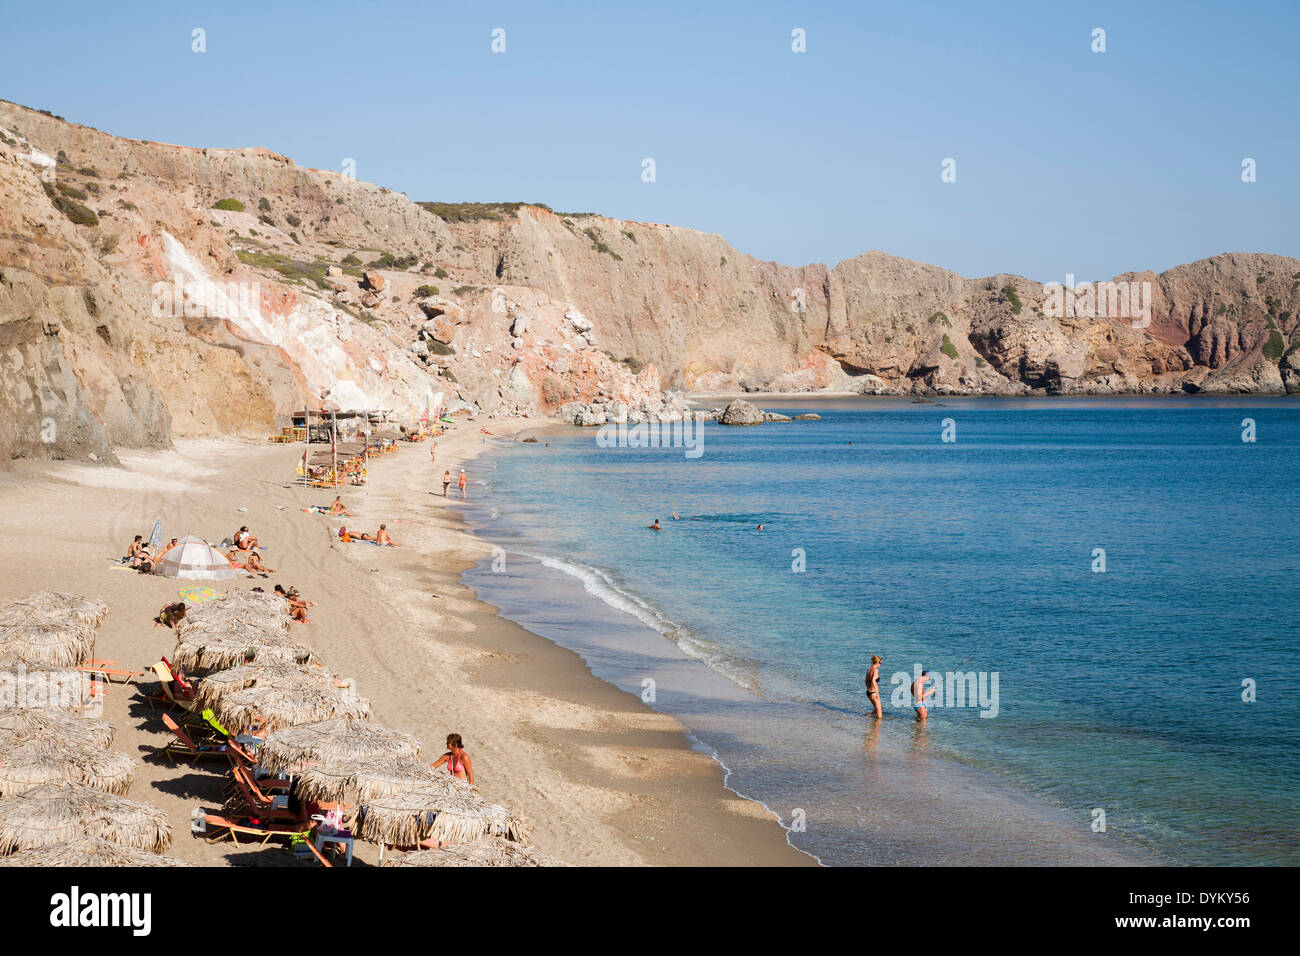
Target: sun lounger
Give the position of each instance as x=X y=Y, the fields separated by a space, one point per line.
x=183 y=746
x=110 y=671
x=250 y=797
x=220 y=827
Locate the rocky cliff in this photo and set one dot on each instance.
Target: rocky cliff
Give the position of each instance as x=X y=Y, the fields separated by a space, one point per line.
x=149 y=290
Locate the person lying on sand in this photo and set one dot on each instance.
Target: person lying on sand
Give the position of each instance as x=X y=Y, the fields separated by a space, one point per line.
x=457 y=761
x=244 y=541
x=336 y=507
x=170 y=614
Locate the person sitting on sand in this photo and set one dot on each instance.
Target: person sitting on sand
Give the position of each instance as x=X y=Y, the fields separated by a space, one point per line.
x=457 y=761
x=254 y=564
x=297 y=606
x=336 y=507
x=382 y=536
x=244 y=541
x=137 y=551
x=656 y=526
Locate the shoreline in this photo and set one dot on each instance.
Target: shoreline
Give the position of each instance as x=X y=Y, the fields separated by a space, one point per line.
x=602 y=778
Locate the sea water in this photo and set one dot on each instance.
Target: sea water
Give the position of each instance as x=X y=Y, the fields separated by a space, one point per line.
x=1111 y=583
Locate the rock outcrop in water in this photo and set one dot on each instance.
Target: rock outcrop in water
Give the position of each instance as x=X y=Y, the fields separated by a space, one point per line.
x=149 y=290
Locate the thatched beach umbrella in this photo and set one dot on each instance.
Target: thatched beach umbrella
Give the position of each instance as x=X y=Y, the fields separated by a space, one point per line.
x=489 y=851
x=253 y=608
x=76 y=730
x=344 y=739
x=39 y=755
x=213 y=687
x=406 y=818
x=273 y=708
x=51 y=814
x=25 y=683
x=373 y=778
x=220 y=646
x=88 y=851
x=63 y=643
x=58 y=605
x=276 y=695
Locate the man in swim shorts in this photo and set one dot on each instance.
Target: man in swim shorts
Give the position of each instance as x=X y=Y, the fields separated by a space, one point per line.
x=656 y=526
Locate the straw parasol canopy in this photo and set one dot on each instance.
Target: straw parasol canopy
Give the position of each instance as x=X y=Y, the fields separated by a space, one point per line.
x=51 y=814
x=41 y=755
x=406 y=818
x=85 y=732
x=26 y=683
x=373 y=778
x=228 y=644
x=88 y=851
x=276 y=695
x=252 y=607
x=63 y=643
x=58 y=605
x=345 y=739
x=490 y=851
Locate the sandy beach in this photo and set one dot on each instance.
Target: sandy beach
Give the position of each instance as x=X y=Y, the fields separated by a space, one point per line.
x=603 y=779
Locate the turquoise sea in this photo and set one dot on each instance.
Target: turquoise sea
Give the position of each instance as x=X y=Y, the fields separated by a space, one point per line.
x=1118 y=578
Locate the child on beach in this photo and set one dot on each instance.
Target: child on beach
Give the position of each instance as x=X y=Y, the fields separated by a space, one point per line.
x=457 y=761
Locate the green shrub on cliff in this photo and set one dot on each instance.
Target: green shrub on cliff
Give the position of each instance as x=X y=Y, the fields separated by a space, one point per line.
x=77 y=213
x=229 y=204
x=1275 y=346
x=947 y=348
x=424 y=292
x=1009 y=293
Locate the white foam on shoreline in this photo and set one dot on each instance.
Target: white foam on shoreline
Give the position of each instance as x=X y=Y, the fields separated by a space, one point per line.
x=601 y=585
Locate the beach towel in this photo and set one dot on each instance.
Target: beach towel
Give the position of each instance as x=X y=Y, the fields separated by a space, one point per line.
x=196 y=595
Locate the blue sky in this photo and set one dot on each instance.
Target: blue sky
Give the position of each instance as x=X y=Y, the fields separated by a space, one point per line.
x=1067 y=160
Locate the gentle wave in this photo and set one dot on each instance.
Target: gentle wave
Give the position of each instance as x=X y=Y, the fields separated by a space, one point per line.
x=597 y=582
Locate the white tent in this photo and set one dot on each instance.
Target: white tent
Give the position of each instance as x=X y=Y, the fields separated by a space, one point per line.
x=196 y=559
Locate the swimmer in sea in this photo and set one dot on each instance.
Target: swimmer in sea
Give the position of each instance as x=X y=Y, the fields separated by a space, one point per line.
x=656 y=526
x=760 y=527
x=676 y=516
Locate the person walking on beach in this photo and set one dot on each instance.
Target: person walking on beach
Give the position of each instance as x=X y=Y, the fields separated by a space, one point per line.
x=446 y=482
x=919 y=694
x=462 y=481
x=873 y=684
x=457 y=761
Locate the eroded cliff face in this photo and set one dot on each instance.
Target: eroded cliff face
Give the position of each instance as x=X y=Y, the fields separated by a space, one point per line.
x=149 y=290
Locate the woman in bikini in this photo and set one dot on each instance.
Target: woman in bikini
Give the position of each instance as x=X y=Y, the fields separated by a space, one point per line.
x=873 y=684
x=457 y=761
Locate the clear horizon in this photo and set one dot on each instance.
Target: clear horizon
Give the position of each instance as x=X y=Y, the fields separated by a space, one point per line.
x=1068 y=161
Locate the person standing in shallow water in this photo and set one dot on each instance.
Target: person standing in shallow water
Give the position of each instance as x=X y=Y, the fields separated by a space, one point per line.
x=873 y=684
